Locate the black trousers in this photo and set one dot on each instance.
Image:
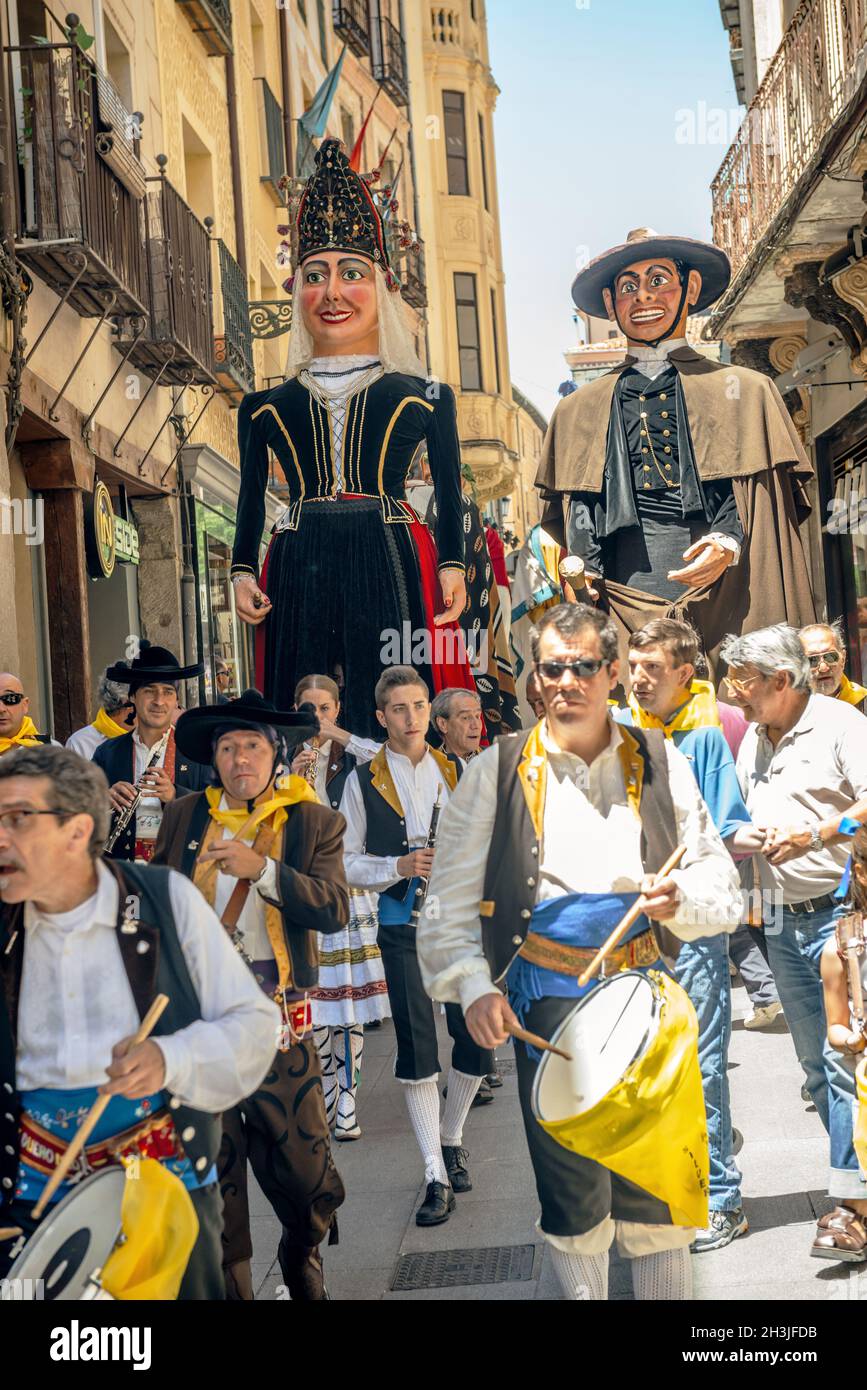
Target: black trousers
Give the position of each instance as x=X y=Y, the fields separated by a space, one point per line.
x=575 y=1193
x=413 y=1015
x=203 y=1279
x=283 y=1131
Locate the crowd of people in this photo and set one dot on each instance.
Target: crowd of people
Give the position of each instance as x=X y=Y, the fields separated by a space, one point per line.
x=287 y=869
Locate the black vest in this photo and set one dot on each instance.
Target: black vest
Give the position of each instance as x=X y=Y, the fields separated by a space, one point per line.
x=512 y=870
x=161 y=969
x=343 y=763
x=386 y=831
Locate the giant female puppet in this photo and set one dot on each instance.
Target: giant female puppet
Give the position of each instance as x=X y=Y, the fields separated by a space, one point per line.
x=679 y=481
x=350 y=564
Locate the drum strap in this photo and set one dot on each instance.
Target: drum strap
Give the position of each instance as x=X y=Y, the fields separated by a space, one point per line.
x=572 y=960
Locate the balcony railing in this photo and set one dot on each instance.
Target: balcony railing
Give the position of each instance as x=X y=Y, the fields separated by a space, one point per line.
x=271 y=119
x=178 y=340
x=80 y=182
x=413 y=277
x=389 y=64
x=351 y=21
x=233 y=348
x=212 y=21
x=808 y=86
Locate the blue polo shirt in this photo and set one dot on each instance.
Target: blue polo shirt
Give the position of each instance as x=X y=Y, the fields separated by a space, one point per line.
x=714 y=769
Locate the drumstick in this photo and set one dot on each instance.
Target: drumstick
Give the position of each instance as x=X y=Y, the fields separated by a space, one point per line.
x=212 y=866
x=85 y=1129
x=535 y=1041
x=9 y=1232
x=627 y=920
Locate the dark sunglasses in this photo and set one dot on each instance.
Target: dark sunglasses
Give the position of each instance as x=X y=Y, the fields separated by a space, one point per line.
x=830 y=659
x=11 y=697
x=556 y=670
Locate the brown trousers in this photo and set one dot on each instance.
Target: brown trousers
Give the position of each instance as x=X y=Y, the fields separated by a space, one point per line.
x=283 y=1132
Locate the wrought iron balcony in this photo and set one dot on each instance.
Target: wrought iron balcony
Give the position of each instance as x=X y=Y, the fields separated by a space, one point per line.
x=271 y=119
x=270 y=318
x=812 y=79
x=233 y=348
x=80 y=218
x=389 y=63
x=351 y=21
x=413 y=277
x=177 y=343
x=212 y=21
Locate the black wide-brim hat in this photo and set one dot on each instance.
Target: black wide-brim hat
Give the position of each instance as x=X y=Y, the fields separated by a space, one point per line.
x=643 y=245
x=152 y=664
x=196 y=728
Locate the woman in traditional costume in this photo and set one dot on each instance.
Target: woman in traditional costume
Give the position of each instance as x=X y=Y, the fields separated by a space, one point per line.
x=351 y=570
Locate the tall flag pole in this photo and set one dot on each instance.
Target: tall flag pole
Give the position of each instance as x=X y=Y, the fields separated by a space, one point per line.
x=311 y=126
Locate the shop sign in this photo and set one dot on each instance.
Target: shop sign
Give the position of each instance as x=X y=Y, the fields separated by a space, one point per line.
x=109 y=539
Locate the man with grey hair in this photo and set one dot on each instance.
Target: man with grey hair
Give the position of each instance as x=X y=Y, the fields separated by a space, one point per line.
x=457 y=717
x=825 y=646
x=803 y=773
x=113 y=705
x=86 y=944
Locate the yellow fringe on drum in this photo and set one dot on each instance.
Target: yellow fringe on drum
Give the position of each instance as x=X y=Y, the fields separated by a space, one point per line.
x=652 y=1126
x=860 y=1135
x=161 y=1227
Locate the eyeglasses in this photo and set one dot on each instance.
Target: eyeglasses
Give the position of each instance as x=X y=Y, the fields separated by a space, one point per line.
x=16 y=821
x=829 y=658
x=742 y=687
x=554 y=671
x=11 y=697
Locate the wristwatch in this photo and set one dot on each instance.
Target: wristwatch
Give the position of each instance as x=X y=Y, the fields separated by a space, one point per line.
x=816 y=841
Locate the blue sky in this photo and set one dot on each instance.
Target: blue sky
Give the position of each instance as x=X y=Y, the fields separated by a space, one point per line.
x=612 y=114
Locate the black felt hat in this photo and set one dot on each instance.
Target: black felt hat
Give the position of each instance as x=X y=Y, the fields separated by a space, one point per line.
x=337 y=211
x=196 y=729
x=151 y=665
x=643 y=245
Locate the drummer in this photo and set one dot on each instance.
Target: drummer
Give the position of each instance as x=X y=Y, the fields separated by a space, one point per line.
x=85 y=945
x=587 y=812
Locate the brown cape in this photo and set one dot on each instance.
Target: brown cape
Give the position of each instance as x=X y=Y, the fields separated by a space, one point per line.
x=740 y=430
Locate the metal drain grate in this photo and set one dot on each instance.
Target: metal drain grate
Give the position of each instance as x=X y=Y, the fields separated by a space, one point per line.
x=507 y=1066
x=449 y=1269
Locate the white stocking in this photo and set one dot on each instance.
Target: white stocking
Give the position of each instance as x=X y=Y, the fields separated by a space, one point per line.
x=663 y=1277
x=348 y=1050
x=423 y=1104
x=583 y=1278
x=324 y=1041
x=461 y=1094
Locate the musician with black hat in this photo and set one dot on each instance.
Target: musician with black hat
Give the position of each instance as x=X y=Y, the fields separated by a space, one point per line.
x=677 y=479
x=143 y=770
x=268 y=858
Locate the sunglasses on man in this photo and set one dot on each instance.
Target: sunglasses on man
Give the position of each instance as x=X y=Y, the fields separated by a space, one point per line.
x=11 y=697
x=829 y=658
x=554 y=671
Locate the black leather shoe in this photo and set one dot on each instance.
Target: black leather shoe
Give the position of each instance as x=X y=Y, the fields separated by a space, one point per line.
x=484 y=1095
x=494 y=1079
x=455 y=1160
x=438 y=1204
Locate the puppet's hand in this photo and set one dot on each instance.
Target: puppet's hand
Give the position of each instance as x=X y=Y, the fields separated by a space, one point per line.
x=454 y=590
x=709 y=559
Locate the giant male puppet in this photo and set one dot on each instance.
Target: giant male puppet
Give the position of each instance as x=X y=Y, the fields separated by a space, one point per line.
x=679 y=481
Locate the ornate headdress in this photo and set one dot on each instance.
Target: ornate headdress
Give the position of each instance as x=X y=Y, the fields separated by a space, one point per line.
x=337 y=211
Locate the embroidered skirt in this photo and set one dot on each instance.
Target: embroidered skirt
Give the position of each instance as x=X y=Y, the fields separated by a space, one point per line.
x=352 y=986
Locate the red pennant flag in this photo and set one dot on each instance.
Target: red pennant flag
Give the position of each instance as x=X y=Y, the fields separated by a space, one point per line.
x=357 y=149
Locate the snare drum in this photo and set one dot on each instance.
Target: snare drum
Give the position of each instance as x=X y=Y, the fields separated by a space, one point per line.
x=631 y=1098
x=63 y=1259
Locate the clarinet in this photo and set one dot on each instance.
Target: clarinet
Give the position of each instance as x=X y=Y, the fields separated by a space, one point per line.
x=430 y=843
x=125 y=816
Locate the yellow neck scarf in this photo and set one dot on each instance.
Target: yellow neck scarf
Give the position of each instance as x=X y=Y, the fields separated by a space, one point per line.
x=533 y=773
x=292 y=790
x=108 y=727
x=699 y=712
x=25 y=738
x=851 y=692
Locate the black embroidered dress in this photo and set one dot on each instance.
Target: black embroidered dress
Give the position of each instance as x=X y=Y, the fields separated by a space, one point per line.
x=349 y=562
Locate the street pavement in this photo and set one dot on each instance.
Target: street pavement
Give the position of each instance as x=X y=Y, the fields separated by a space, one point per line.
x=784 y=1162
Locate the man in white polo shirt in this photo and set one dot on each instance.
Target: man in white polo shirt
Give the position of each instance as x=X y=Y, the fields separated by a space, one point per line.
x=803 y=769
